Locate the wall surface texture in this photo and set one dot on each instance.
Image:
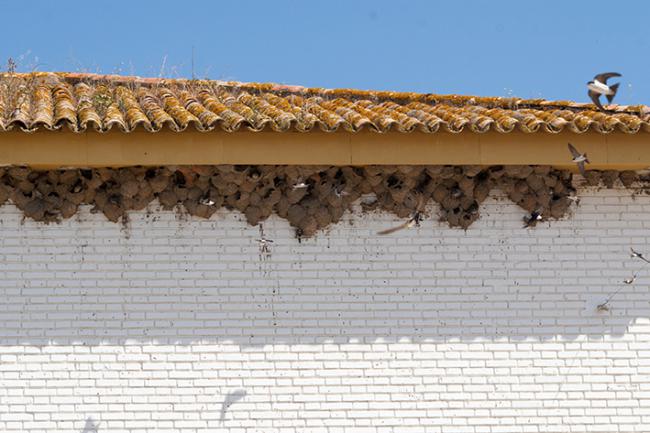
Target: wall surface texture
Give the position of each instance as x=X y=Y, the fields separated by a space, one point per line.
x=171 y=323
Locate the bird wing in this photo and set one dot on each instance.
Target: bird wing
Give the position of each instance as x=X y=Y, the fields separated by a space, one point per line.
x=595 y=98
x=573 y=150
x=529 y=221
x=581 y=168
x=394 y=229
x=605 y=76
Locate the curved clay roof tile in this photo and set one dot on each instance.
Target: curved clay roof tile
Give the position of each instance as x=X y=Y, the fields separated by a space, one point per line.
x=92 y=102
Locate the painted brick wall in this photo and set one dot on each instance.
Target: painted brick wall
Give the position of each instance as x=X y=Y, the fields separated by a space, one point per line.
x=174 y=324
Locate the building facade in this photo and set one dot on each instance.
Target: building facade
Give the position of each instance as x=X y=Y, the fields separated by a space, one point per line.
x=203 y=256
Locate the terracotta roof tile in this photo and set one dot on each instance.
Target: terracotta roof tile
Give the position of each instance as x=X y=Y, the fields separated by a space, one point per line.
x=89 y=102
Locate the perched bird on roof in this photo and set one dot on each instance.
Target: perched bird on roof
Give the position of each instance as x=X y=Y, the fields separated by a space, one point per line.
x=598 y=86
x=579 y=158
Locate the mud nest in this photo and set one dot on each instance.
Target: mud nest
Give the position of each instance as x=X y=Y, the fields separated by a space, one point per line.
x=309 y=197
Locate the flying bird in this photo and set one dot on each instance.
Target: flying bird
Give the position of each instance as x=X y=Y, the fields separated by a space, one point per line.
x=231 y=398
x=630 y=280
x=636 y=254
x=598 y=86
x=579 y=158
x=412 y=222
x=531 y=221
x=265 y=245
x=604 y=306
x=264 y=241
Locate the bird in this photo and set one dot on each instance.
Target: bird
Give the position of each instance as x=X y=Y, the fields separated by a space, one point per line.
x=77 y=187
x=579 y=158
x=575 y=199
x=231 y=398
x=338 y=191
x=300 y=185
x=207 y=201
x=598 y=86
x=369 y=199
x=413 y=221
x=636 y=254
x=456 y=192
x=630 y=280
x=604 y=306
x=265 y=245
x=531 y=221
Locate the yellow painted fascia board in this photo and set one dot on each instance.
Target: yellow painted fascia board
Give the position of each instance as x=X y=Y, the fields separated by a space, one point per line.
x=48 y=149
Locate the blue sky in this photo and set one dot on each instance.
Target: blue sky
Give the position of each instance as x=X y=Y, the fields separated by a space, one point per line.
x=547 y=49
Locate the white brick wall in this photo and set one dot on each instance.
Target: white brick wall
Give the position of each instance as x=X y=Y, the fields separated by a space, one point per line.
x=150 y=327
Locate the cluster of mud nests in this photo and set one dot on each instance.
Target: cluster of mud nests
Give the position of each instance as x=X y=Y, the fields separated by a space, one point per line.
x=309 y=197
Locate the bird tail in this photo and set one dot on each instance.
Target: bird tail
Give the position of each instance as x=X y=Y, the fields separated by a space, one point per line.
x=614 y=88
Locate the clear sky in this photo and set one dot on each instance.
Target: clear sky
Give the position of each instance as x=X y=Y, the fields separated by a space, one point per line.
x=530 y=49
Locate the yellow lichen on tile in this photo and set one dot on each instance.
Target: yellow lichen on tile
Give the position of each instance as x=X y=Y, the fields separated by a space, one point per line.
x=92 y=102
